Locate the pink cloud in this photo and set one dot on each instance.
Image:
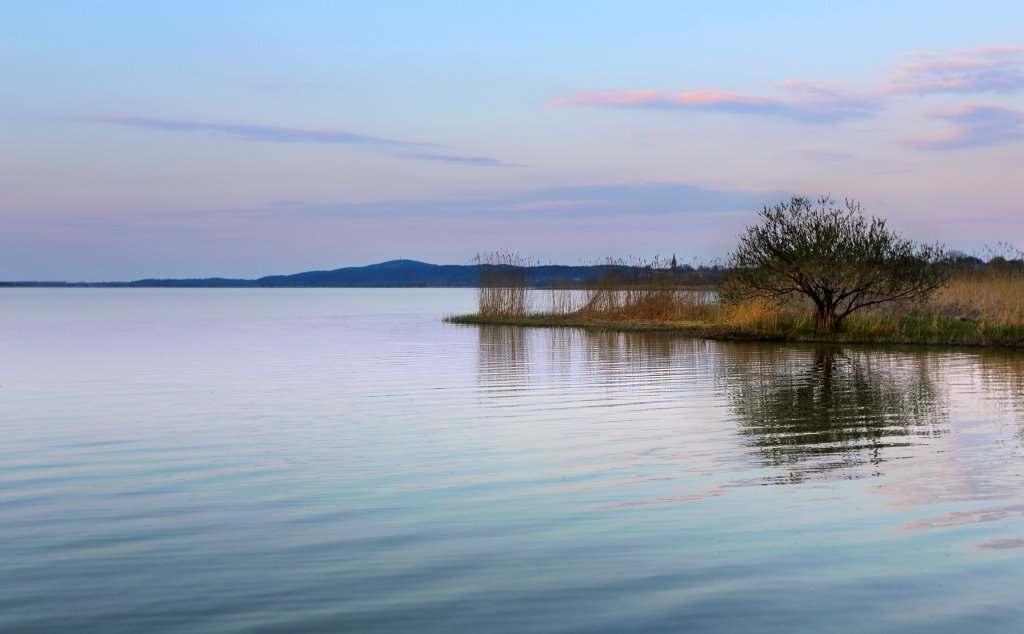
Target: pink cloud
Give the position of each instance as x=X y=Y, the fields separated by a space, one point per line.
x=997 y=69
x=992 y=69
x=654 y=99
x=808 y=102
x=976 y=126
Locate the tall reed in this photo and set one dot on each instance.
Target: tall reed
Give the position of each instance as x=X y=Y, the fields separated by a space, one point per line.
x=503 y=290
x=993 y=296
x=647 y=290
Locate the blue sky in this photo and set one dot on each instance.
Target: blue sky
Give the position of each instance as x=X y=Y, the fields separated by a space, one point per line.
x=182 y=139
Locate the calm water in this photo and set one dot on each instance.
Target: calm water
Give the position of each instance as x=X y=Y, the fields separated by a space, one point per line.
x=342 y=461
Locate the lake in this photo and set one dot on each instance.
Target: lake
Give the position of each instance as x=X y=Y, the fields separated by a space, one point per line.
x=340 y=460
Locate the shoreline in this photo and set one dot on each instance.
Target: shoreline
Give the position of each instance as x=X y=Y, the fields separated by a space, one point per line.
x=721 y=332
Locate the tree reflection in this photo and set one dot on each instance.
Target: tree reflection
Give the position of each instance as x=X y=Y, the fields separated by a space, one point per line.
x=811 y=412
x=802 y=412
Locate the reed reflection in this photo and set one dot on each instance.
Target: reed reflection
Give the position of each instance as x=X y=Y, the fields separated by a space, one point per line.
x=815 y=412
x=1002 y=373
x=504 y=356
x=662 y=365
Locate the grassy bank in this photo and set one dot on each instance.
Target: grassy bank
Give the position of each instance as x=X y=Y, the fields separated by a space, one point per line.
x=972 y=309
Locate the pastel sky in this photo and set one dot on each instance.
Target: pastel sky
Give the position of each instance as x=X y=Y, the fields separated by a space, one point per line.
x=248 y=138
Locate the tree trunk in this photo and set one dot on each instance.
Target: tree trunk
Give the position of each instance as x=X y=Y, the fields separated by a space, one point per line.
x=826 y=319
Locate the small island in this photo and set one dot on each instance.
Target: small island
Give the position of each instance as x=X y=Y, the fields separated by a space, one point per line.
x=808 y=270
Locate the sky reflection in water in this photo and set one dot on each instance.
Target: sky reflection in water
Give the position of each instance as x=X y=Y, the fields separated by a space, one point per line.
x=331 y=460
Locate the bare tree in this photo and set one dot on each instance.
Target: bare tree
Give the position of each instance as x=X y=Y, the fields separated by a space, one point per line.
x=840 y=260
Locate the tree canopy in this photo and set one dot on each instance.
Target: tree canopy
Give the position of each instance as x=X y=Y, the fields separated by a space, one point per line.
x=833 y=255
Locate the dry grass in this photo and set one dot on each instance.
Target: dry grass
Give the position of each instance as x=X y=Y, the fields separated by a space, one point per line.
x=650 y=293
x=755 y=314
x=562 y=302
x=995 y=298
x=503 y=292
x=651 y=305
x=974 y=308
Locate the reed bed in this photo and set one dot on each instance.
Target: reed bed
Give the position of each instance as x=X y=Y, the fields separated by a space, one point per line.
x=994 y=297
x=503 y=292
x=646 y=291
x=984 y=306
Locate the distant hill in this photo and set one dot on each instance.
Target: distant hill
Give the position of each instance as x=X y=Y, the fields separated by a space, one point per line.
x=410 y=273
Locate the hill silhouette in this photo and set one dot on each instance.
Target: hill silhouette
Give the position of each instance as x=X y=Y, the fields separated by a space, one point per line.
x=408 y=274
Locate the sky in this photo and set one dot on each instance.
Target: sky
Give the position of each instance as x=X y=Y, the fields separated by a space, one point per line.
x=191 y=139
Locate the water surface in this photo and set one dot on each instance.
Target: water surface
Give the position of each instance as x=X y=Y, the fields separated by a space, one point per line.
x=332 y=460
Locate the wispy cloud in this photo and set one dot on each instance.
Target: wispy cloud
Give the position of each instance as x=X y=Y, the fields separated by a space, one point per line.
x=478 y=161
x=556 y=205
x=976 y=126
x=807 y=102
x=282 y=134
x=993 y=69
x=581 y=201
x=988 y=69
x=623 y=200
x=560 y=224
x=252 y=132
x=826 y=156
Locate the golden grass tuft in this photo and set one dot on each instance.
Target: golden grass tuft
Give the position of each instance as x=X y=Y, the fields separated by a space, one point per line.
x=753 y=314
x=994 y=298
x=651 y=305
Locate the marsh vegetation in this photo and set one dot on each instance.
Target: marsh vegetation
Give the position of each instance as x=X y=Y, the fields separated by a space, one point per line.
x=807 y=271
